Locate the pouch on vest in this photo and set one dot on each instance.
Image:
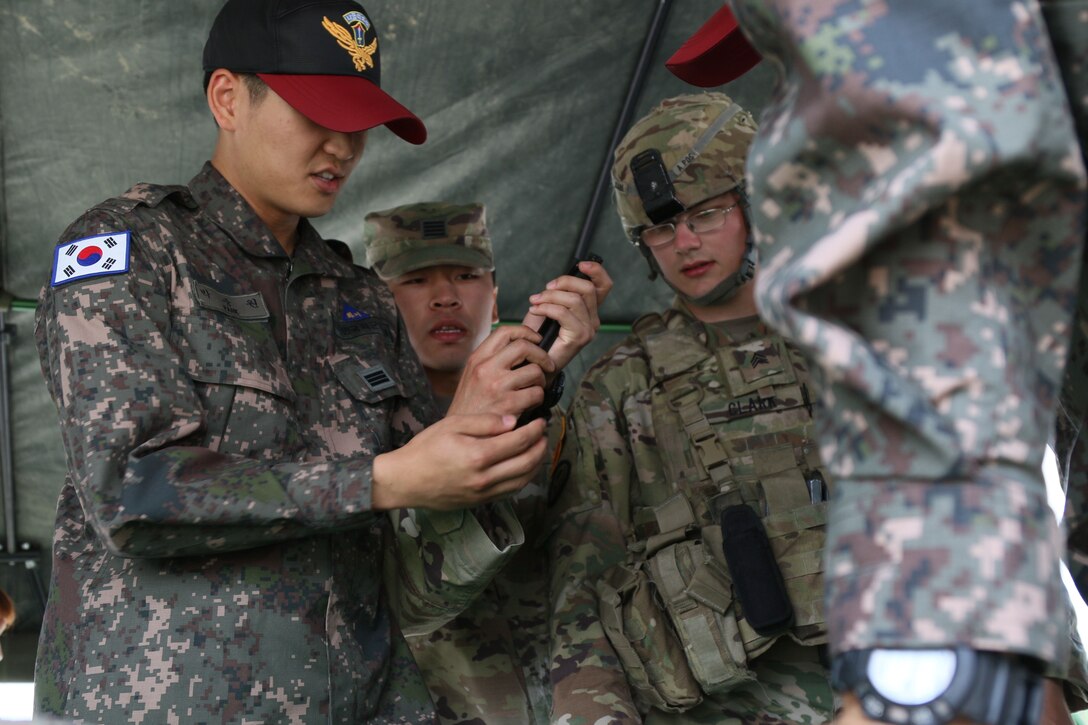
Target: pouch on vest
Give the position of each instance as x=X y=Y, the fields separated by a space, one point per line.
x=712 y=465
x=756 y=576
x=652 y=658
x=698 y=597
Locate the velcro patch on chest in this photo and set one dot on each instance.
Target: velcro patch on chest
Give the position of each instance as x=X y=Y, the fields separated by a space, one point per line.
x=352 y=322
x=350 y=314
x=97 y=256
x=242 y=307
x=376 y=378
x=758 y=359
x=755 y=366
x=750 y=405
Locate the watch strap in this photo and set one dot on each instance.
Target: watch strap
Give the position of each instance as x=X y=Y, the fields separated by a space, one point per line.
x=990 y=688
x=1008 y=690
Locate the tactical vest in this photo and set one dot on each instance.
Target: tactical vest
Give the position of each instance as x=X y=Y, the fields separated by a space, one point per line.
x=734 y=429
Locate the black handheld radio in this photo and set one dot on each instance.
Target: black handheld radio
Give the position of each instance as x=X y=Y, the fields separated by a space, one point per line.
x=549 y=332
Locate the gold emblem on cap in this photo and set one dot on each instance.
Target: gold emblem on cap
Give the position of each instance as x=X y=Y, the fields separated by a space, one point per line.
x=363 y=55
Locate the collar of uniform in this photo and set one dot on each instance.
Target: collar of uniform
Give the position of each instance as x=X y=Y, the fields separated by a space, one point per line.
x=222 y=203
x=725 y=332
x=315 y=255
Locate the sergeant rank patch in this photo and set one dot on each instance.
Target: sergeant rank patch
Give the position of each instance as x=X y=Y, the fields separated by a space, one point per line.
x=95 y=256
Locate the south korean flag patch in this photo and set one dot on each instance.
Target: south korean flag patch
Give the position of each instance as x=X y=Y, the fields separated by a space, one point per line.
x=95 y=256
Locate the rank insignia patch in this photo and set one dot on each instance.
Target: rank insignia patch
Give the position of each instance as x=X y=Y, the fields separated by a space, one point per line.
x=96 y=256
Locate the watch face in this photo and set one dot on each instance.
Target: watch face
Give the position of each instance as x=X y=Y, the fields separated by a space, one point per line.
x=911 y=676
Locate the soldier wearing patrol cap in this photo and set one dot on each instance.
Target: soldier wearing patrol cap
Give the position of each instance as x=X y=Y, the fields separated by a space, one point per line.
x=686 y=578
x=245 y=422
x=490 y=663
x=437 y=259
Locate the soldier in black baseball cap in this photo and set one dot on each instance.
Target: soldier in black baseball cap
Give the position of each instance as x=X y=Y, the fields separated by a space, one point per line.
x=294 y=86
x=250 y=436
x=323 y=58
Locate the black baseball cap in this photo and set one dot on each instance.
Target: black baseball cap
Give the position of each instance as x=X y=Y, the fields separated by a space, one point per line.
x=717 y=53
x=321 y=56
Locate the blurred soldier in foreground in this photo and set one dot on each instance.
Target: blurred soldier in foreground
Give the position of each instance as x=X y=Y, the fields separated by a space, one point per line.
x=241 y=411
x=488 y=665
x=686 y=582
x=918 y=202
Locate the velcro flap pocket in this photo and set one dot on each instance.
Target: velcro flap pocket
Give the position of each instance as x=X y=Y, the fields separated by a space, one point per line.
x=710 y=585
x=652 y=658
x=220 y=351
x=699 y=596
x=797 y=538
x=759 y=364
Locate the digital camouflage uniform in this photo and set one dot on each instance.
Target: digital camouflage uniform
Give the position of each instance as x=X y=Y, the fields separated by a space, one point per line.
x=221 y=403
x=681 y=423
x=918 y=196
x=489 y=664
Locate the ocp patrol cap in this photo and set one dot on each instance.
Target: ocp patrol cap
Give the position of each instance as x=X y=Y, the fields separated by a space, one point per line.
x=427 y=234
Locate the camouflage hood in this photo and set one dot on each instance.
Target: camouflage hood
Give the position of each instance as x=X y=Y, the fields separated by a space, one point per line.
x=700 y=165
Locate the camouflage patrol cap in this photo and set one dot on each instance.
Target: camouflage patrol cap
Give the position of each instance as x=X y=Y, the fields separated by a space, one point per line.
x=703 y=139
x=426 y=234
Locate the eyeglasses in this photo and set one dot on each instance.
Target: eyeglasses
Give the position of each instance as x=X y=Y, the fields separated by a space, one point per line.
x=701 y=222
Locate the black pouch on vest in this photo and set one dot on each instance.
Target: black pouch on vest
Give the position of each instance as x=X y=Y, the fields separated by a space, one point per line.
x=755 y=573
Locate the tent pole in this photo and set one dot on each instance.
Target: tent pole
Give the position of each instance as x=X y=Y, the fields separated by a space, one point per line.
x=634 y=91
x=7 y=476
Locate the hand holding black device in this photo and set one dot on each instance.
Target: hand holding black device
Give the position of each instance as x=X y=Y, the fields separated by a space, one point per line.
x=549 y=330
x=549 y=333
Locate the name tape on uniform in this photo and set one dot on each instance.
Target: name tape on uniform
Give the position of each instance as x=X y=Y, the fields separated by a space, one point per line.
x=243 y=307
x=95 y=256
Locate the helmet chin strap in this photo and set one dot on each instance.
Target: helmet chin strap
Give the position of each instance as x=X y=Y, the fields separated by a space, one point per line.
x=728 y=286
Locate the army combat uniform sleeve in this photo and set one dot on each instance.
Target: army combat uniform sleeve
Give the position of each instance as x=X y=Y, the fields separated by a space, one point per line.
x=588 y=682
x=918 y=200
x=445 y=559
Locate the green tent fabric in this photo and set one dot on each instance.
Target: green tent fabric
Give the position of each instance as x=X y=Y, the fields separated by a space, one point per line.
x=520 y=100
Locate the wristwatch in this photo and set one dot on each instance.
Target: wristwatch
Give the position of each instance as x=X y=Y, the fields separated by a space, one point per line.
x=934 y=686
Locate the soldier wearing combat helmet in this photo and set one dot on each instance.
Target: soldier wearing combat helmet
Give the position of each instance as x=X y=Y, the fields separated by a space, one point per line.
x=686 y=549
x=698 y=170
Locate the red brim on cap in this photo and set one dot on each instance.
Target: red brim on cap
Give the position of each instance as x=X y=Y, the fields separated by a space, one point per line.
x=717 y=53
x=346 y=104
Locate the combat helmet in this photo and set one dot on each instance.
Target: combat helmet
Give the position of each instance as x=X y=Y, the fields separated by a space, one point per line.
x=702 y=141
